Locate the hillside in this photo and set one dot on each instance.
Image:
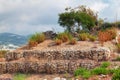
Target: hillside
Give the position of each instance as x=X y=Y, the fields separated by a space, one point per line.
x=10 y=38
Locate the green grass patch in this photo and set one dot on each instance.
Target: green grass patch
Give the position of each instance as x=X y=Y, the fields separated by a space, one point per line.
x=116 y=75
x=83 y=73
x=105 y=64
x=99 y=70
x=102 y=69
x=19 y=76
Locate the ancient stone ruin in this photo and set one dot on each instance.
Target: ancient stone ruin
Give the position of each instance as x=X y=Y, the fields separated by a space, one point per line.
x=52 y=61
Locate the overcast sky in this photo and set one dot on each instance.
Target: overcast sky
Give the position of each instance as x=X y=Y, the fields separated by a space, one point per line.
x=29 y=16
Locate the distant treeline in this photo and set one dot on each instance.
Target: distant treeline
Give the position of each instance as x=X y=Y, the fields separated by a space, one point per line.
x=106 y=25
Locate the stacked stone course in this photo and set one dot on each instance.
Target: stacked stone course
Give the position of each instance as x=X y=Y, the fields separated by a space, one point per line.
x=55 y=61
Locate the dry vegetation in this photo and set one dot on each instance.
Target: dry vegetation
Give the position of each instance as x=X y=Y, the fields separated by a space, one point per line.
x=107 y=35
x=2 y=53
x=36 y=39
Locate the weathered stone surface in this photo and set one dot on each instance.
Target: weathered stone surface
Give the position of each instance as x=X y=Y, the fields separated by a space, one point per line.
x=51 y=68
x=6 y=79
x=50 y=34
x=60 y=66
x=13 y=55
x=2 y=67
x=53 y=61
x=98 y=54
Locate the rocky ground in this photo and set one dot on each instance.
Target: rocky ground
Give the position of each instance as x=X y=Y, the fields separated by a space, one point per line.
x=49 y=45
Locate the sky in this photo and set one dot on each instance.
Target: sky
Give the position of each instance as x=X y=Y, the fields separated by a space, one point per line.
x=29 y=16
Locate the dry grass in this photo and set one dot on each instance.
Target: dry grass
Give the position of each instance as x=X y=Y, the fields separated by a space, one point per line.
x=104 y=36
x=107 y=35
x=58 y=41
x=112 y=32
x=73 y=41
x=83 y=36
x=32 y=44
x=92 y=38
x=2 y=53
x=63 y=36
x=36 y=39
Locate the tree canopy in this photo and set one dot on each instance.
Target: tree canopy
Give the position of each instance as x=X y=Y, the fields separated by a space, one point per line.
x=72 y=19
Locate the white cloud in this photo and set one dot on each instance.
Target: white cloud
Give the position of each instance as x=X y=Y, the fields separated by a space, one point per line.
x=28 y=16
x=28 y=29
x=98 y=6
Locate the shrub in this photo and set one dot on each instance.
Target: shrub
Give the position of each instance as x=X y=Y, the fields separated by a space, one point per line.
x=19 y=77
x=63 y=36
x=105 y=64
x=99 y=70
x=82 y=72
x=112 y=32
x=36 y=39
x=73 y=41
x=92 y=38
x=32 y=43
x=58 y=41
x=116 y=75
x=83 y=36
x=107 y=35
x=103 y=36
x=2 y=53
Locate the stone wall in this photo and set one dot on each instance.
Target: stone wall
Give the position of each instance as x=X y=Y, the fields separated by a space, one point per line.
x=52 y=61
x=98 y=54
x=47 y=67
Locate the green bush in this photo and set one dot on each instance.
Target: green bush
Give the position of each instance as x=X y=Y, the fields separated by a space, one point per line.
x=99 y=70
x=105 y=64
x=86 y=74
x=83 y=36
x=82 y=72
x=116 y=75
x=112 y=71
x=79 y=71
x=19 y=76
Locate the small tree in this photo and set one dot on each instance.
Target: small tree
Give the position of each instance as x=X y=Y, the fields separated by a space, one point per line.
x=67 y=20
x=76 y=17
